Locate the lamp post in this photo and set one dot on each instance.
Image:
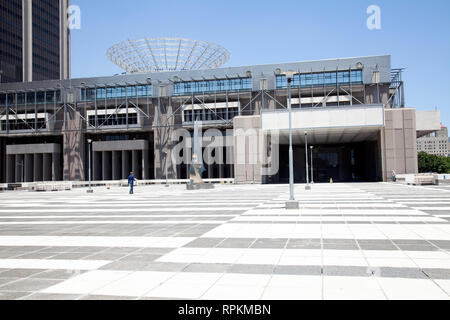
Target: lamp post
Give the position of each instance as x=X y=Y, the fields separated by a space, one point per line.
x=312 y=165
x=292 y=203
x=89 y=152
x=308 y=187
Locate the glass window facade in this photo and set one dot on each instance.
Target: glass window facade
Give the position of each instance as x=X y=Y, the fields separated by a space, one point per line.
x=39 y=97
x=24 y=124
x=114 y=119
x=210 y=86
x=141 y=91
x=321 y=79
x=46 y=51
x=210 y=115
x=11 y=41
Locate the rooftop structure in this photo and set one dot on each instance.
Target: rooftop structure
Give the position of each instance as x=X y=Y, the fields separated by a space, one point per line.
x=167 y=54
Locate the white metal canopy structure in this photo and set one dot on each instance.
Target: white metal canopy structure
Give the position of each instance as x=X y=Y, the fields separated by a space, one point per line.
x=167 y=54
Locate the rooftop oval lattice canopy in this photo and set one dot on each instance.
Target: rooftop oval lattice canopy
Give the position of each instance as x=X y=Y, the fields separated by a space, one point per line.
x=167 y=54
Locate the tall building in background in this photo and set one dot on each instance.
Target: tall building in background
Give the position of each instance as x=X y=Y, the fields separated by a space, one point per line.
x=34 y=40
x=435 y=143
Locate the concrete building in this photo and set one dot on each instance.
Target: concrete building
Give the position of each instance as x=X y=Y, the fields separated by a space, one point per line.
x=351 y=109
x=435 y=143
x=34 y=40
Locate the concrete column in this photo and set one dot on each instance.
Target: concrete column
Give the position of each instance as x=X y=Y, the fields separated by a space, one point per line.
x=135 y=163
x=94 y=167
x=56 y=167
x=221 y=171
x=38 y=167
x=126 y=163
x=229 y=160
x=74 y=148
x=116 y=165
x=248 y=166
x=381 y=155
x=20 y=161
x=299 y=164
x=145 y=165
x=47 y=167
x=209 y=168
x=3 y=161
x=28 y=167
x=97 y=165
x=400 y=142
x=140 y=168
x=163 y=144
x=106 y=165
x=10 y=168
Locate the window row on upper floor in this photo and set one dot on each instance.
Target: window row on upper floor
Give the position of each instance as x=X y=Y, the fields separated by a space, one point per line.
x=122 y=92
x=187 y=88
x=321 y=79
x=208 y=86
x=32 y=97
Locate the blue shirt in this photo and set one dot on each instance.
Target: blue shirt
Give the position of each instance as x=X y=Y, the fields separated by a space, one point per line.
x=131 y=179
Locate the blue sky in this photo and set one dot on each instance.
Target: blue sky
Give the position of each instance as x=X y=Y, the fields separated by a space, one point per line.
x=415 y=33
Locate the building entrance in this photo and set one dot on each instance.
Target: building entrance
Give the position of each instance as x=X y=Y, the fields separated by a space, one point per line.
x=354 y=162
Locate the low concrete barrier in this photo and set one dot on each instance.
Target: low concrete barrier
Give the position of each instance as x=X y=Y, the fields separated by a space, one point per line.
x=52 y=186
x=69 y=185
x=124 y=182
x=419 y=179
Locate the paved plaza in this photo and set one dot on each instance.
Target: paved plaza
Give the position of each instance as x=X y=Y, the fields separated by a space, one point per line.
x=348 y=241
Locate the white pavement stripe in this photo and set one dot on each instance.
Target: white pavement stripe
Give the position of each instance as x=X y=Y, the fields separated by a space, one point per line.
x=136 y=205
x=338 y=219
x=95 y=241
x=134 y=284
x=52 y=264
x=133 y=209
x=350 y=205
x=243 y=287
x=308 y=257
x=433 y=208
x=340 y=212
x=424 y=202
x=99 y=216
x=114 y=222
x=369 y=231
x=86 y=283
x=419 y=198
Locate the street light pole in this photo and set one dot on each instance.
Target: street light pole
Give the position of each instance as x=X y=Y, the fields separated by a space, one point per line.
x=291 y=151
x=291 y=204
x=90 y=187
x=308 y=187
x=312 y=165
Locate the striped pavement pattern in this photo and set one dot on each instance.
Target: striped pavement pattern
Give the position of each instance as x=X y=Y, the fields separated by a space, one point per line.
x=347 y=241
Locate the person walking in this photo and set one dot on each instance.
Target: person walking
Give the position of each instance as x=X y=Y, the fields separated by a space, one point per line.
x=131 y=180
x=394 y=176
